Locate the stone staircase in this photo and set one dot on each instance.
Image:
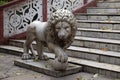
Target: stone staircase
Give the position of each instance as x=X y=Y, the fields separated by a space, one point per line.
x=97 y=42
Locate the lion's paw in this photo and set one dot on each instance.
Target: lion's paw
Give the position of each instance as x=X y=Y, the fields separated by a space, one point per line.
x=44 y=57
x=26 y=56
x=63 y=58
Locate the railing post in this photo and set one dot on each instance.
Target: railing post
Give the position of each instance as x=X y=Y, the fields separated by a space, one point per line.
x=85 y=1
x=1 y=25
x=44 y=10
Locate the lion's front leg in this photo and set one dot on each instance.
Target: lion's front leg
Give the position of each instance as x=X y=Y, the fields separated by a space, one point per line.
x=59 y=52
x=62 y=57
x=39 y=46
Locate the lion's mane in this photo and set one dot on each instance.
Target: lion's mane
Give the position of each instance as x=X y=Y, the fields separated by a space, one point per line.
x=62 y=15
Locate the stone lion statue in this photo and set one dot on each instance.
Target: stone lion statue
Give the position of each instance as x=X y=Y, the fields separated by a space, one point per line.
x=57 y=33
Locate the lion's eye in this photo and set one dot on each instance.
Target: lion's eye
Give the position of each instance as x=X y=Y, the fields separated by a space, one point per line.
x=57 y=29
x=67 y=27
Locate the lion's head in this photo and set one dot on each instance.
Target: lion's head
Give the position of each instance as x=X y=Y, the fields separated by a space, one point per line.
x=62 y=27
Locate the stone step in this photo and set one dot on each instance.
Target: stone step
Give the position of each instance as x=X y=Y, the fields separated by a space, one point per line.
x=89 y=66
x=87 y=42
x=98 y=17
x=80 y=52
x=103 y=10
x=104 y=25
x=108 y=0
x=110 y=4
x=45 y=67
x=99 y=33
x=94 y=55
x=19 y=43
x=97 y=43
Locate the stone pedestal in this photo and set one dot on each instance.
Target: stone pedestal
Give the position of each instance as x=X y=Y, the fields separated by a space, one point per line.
x=46 y=68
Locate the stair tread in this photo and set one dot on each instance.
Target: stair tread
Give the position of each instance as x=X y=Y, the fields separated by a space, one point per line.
x=103 y=8
x=98 y=40
x=90 y=63
x=21 y=41
x=90 y=50
x=99 y=30
x=98 y=14
x=110 y=67
x=89 y=39
x=95 y=51
x=11 y=47
x=94 y=21
x=108 y=1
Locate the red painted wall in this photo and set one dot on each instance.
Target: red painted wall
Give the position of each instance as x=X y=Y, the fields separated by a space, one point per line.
x=44 y=10
x=83 y=9
x=1 y=25
x=2 y=39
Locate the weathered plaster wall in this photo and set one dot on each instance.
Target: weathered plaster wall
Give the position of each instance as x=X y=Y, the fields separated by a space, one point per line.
x=17 y=17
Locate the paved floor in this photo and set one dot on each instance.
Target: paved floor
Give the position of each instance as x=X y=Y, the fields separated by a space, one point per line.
x=10 y=72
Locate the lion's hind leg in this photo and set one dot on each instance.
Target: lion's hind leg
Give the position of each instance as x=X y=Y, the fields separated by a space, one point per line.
x=33 y=53
x=28 y=45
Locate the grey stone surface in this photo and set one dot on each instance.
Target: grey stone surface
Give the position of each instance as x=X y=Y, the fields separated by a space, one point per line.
x=98 y=43
x=10 y=72
x=84 y=25
x=104 y=25
x=83 y=55
x=103 y=10
x=46 y=68
x=116 y=26
x=99 y=33
x=109 y=4
x=98 y=16
x=81 y=17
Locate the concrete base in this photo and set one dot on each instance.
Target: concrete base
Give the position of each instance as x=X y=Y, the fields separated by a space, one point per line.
x=46 y=68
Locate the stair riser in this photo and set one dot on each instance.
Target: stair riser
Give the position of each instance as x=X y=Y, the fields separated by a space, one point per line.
x=97 y=10
x=17 y=44
x=97 y=45
x=108 y=0
x=101 y=71
x=98 y=34
x=98 y=18
x=20 y=44
x=17 y=53
x=109 y=4
x=94 y=57
x=102 y=26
